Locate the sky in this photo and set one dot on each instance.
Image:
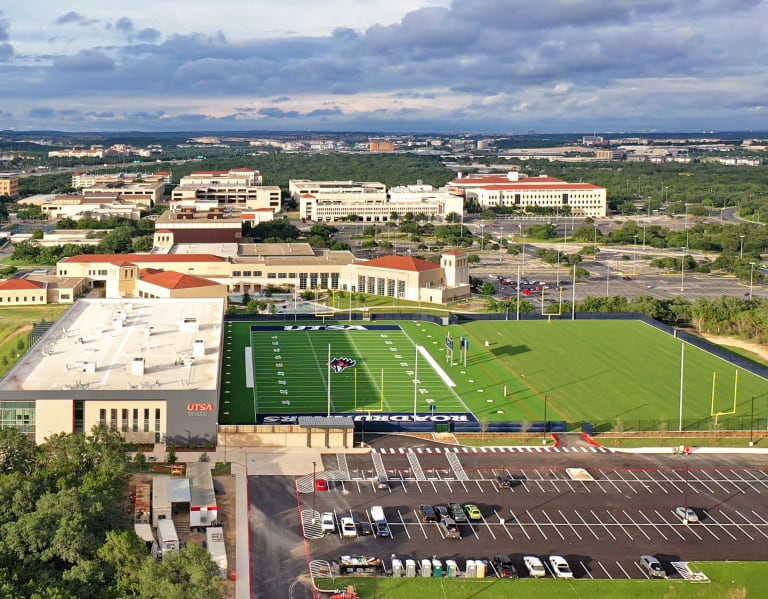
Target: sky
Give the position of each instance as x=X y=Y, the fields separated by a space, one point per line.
x=481 y=66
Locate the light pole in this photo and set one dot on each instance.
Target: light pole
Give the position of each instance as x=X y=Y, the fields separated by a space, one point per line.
x=594 y=245
x=482 y=237
x=607 y=277
x=314 y=488
x=634 y=255
x=741 y=247
x=524 y=236
x=644 y=226
x=557 y=276
x=682 y=270
x=501 y=238
x=751 y=272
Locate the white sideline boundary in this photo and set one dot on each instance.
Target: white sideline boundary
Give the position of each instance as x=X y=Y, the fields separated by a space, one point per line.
x=249 y=367
x=441 y=373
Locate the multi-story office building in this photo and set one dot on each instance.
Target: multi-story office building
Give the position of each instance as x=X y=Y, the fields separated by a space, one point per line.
x=240 y=189
x=9 y=184
x=523 y=193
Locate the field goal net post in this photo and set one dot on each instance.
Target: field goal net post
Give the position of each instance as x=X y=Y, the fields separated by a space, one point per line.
x=730 y=412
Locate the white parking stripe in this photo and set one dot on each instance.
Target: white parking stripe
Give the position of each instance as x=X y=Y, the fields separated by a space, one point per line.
x=759 y=517
x=602 y=524
x=604 y=570
x=586 y=526
x=670 y=481
x=503 y=524
x=533 y=520
x=672 y=526
x=626 y=482
x=725 y=515
x=685 y=482
x=614 y=485
x=626 y=532
x=421 y=525
x=557 y=530
x=745 y=481
x=519 y=525
x=405 y=527
x=568 y=522
x=762 y=481
x=623 y=570
x=752 y=524
x=693 y=478
x=652 y=524
x=636 y=524
x=586 y=570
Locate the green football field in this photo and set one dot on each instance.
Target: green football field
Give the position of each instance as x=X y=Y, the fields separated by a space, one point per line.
x=623 y=373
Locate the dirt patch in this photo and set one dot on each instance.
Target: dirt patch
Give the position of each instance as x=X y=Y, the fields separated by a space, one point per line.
x=755 y=348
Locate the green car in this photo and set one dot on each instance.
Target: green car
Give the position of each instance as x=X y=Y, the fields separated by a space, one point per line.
x=473 y=512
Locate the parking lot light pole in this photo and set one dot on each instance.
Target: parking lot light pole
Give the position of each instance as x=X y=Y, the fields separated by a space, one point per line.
x=524 y=236
x=634 y=256
x=741 y=247
x=682 y=270
x=751 y=273
x=314 y=488
x=482 y=237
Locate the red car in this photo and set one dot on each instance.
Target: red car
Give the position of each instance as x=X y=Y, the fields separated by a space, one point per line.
x=527 y=292
x=321 y=484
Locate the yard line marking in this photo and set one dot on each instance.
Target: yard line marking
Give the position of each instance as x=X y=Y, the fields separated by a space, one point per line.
x=623 y=570
x=601 y=523
x=568 y=522
x=626 y=482
x=714 y=480
x=744 y=480
x=520 y=526
x=636 y=524
x=587 y=526
x=536 y=524
x=751 y=538
x=626 y=532
x=652 y=524
x=752 y=524
x=554 y=526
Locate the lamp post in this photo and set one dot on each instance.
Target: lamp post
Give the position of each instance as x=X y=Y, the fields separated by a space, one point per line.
x=594 y=245
x=607 y=277
x=644 y=226
x=634 y=255
x=682 y=269
x=501 y=238
x=751 y=272
x=482 y=237
x=314 y=488
x=741 y=247
x=524 y=236
x=557 y=276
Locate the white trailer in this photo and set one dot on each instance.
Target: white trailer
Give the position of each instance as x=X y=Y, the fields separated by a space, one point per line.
x=214 y=540
x=167 y=538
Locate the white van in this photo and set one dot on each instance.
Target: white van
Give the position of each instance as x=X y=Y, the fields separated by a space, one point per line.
x=380 y=525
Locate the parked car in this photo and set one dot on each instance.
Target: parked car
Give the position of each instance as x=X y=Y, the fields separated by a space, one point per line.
x=473 y=512
x=526 y=291
x=505 y=481
x=534 y=566
x=348 y=528
x=449 y=528
x=652 y=566
x=327 y=522
x=321 y=484
x=427 y=513
x=686 y=514
x=504 y=566
x=560 y=566
x=442 y=512
x=457 y=513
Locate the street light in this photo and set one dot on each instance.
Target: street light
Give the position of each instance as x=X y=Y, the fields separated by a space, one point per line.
x=682 y=270
x=314 y=488
x=501 y=238
x=524 y=235
x=751 y=272
x=594 y=245
x=482 y=237
x=634 y=255
x=741 y=247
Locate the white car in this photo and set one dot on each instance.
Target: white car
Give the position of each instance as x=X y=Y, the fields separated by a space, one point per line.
x=560 y=567
x=534 y=566
x=327 y=522
x=686 y=514
x=348 y=528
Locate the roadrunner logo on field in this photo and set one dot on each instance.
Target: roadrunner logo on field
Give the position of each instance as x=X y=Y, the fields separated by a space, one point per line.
x=341 y=364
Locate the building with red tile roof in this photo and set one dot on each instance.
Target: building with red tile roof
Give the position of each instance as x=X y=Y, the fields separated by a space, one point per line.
x=16 y=292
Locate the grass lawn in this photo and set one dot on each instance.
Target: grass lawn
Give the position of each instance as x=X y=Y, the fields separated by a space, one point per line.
x=13 y=319
x=731 y=580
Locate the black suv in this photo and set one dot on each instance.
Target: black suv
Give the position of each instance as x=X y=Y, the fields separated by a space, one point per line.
x=442 y=512
x=504 y=566
x=457 y=512
x=427 y=513
x=505 y=480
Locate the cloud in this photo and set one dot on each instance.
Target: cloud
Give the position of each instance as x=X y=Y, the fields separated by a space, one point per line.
x=276 y=113
x=124 y=24
x=74 y=17
x=148 y=35
x=85 y=60
x=6 y=49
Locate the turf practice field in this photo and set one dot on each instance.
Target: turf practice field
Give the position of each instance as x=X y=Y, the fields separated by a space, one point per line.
x=625 y=373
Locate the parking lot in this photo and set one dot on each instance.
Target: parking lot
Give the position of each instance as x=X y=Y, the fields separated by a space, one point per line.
x=601 y=524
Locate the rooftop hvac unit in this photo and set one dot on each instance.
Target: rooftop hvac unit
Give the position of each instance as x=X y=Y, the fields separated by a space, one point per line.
x=188 y=325
x=198 y=348
x=89 y=367
x=189 y=360
x=137 y=367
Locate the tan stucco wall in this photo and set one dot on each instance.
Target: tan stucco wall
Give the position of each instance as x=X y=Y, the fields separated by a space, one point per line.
x=53 y=416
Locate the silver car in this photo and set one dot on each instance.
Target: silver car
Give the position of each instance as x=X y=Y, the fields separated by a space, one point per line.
x=652 y=566
x=686 y=514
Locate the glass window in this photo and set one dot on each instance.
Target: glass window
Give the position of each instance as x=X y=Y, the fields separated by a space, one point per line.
x=124 y=421
x=113 y=418
x=135 y=420
x=146 y=420
x=157 y=420
x=102 y=417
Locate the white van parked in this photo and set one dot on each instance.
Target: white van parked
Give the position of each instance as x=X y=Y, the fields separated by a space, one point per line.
x=380 y=525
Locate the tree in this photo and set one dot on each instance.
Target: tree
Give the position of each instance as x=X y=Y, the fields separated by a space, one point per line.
x=171 y=459
x=143 y=243
x=17 y=451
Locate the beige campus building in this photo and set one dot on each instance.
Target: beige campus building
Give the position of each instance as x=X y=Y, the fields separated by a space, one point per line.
x=237 y=189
